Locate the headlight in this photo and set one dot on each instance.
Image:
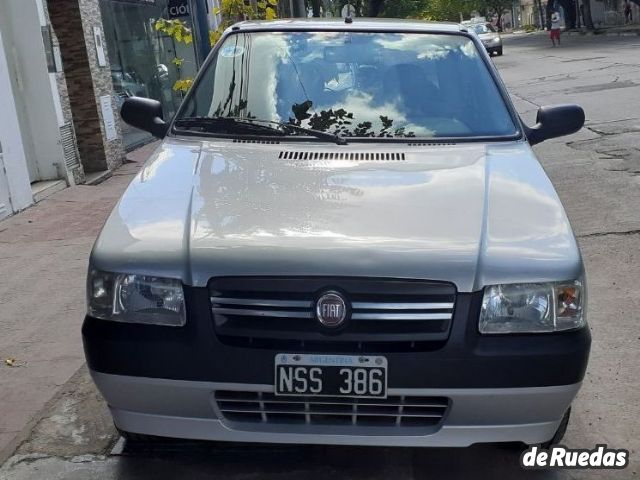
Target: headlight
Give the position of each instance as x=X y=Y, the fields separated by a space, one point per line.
x=129 y=298
x=532 y=308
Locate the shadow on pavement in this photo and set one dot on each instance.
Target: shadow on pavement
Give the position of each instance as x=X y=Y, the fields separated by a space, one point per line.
x=207 y=460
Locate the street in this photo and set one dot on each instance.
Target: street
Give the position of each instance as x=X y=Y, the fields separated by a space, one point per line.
x=597 y=175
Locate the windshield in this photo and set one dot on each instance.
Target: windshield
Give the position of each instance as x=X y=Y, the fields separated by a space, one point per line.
x=354 y=84
x=481 y=28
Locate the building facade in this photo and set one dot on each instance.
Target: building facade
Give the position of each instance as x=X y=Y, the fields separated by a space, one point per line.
x=604 y=13
x=59 y=125
x=66 y=67
x=37 y=143
x=142 y=61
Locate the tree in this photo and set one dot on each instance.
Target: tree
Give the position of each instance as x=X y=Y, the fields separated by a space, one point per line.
x=231 y=11
x=375 y=7
x=450 y=10
x=404 y=8
x=494 y=7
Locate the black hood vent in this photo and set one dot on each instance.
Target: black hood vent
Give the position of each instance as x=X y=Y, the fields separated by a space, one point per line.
x=354 y=156
x=270 y=142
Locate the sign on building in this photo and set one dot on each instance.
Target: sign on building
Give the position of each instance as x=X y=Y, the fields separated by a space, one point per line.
x=178 y=8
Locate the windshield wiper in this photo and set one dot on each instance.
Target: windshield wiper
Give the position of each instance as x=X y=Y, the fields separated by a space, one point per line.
x=212 y=124
x=333 y=137
x=255 y=123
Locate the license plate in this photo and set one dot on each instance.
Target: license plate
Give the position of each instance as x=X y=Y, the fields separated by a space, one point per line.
x=331 y=375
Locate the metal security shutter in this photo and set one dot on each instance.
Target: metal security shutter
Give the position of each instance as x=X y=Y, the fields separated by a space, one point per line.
x=71 y=157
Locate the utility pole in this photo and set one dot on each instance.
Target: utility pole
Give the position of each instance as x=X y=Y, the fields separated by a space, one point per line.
x=299 y=9
x=586 y=18
x=540 y=14
x=200 y=26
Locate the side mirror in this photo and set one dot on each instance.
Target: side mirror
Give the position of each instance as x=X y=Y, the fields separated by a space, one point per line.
x=145 y=114
x=555 y=121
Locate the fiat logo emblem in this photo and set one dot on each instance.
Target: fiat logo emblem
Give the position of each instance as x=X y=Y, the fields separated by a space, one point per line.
x=331 y=309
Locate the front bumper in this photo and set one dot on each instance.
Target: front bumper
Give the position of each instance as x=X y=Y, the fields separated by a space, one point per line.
x=492 y=46
x=162 y=381
x=187 y=409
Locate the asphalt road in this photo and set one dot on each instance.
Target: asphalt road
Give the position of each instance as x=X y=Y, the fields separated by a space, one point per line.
x=597 y=174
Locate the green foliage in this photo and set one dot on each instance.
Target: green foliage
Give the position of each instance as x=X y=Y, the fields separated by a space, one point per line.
x=446 y=10
x=497 y=7
x=231 y=11
x=175 y=29
x=404 y=8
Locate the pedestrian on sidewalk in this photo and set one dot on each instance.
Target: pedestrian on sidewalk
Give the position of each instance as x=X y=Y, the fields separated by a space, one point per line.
x=555 y=28
x=628 y=16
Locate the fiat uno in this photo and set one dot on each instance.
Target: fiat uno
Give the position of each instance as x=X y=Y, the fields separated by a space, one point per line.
x=343 y=238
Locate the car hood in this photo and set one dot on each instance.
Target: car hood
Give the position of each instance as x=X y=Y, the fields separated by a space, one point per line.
x=472 y=214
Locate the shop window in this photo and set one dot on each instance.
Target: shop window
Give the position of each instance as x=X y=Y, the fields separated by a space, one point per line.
x=142 y=59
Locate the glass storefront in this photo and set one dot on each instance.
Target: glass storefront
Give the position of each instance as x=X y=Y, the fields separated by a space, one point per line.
x=142 y=59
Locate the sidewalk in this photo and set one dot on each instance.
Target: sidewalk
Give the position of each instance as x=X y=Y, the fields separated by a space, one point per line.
x=621 y=30
x=43 y=261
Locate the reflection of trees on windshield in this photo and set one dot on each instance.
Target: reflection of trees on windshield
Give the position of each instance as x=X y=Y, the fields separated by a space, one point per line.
x=354 y=85
x=340 y=122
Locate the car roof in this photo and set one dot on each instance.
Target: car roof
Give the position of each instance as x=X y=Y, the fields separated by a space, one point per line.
x=358 y=24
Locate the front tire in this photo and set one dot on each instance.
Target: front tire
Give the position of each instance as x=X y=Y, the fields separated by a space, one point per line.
x=499 y=51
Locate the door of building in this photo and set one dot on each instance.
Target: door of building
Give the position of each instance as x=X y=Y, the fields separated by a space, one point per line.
x=15 y=190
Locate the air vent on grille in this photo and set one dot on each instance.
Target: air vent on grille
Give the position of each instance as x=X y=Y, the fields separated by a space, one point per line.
x=394 y=411
x=270 y=142
x=385 y=314
x=430 y=144
x=354 y=156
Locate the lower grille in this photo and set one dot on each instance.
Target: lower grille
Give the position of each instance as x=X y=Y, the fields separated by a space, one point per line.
x=267 y=408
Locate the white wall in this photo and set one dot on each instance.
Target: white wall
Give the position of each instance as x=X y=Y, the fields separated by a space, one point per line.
x=13 y=156
x=20 y=23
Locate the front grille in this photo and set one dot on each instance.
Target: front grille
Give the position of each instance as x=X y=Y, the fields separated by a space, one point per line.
x=269 y=409
x=385 y=314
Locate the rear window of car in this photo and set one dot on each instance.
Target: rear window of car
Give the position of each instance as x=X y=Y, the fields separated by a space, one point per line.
x=355 y=84
x=480 y=28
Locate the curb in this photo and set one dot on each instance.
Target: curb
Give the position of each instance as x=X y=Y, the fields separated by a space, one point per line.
x=23 y=435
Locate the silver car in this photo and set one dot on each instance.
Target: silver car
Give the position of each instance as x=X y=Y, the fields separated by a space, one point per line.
x=343 y=238
x=489 y=37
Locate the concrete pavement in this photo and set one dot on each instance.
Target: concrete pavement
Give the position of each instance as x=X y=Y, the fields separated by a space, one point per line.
x=597 y=175
x=43 y=259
